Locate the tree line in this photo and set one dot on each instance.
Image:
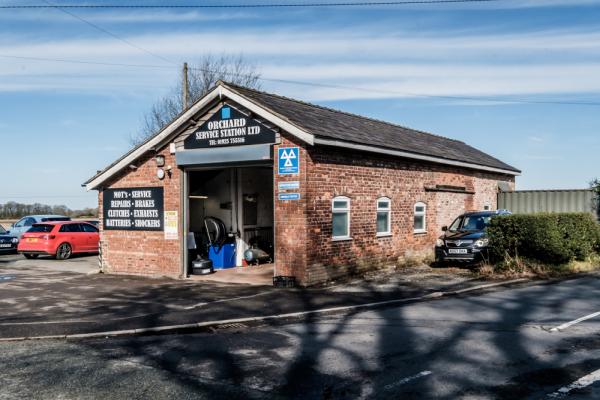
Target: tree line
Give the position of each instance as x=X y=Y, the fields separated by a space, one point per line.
x=14 y=210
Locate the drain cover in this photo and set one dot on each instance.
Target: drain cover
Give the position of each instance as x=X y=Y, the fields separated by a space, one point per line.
x=232 y=326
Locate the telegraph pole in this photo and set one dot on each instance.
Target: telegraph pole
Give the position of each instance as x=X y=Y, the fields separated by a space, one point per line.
x=184 y=86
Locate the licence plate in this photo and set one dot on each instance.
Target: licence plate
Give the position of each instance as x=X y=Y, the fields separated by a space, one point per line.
x=457 y=251
x=5 y=245
x=32 y=240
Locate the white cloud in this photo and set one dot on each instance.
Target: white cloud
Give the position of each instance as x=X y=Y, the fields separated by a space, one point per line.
x=125 y=16
x=393 y=65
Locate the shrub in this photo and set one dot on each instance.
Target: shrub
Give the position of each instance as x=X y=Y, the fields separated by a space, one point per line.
x=549 y=238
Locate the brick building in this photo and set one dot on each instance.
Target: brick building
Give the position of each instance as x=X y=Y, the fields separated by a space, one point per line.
x=325 y=192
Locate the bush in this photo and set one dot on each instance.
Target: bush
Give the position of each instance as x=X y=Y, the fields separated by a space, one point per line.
x=549 y=238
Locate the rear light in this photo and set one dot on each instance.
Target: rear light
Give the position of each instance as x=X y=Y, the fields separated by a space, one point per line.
x=48 y=237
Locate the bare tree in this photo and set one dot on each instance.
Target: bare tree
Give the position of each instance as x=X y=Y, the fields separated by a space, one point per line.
x=202 y=76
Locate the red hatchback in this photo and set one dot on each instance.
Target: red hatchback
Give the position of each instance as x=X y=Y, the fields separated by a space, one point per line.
x=59 y=239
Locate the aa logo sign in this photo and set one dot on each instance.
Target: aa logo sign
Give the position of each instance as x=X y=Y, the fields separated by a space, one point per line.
x=288 y=160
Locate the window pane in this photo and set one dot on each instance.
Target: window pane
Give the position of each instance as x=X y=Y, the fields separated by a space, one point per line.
x=340 y=204
x=382 y=221
x=41 y=228
x=419 y=209
x=89 y=228
x=340 y=224
x=419 y=222
x=383 y=204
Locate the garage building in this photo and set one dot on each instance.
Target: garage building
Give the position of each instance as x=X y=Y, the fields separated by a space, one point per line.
x=323 y=192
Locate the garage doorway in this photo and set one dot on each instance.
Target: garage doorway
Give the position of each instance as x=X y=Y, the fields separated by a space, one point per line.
x=241 y=198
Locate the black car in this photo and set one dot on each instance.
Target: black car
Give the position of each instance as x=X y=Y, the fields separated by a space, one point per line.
x=8 y=243
x=465 y=240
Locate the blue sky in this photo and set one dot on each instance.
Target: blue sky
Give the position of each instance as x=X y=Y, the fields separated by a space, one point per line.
x=60 y=122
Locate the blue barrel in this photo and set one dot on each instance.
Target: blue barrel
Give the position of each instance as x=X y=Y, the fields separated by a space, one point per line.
x=222 y=257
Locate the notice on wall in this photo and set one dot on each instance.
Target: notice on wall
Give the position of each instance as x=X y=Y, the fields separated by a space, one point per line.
x=288 y=185
x=229 y=127
x=133 y=209
x=288 y=161
x=288 y=196
x=171 y=231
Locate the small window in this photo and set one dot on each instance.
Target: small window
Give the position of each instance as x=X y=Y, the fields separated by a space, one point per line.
x=89 y=228
x=340 y=210
x=41 y=228
x=383 y=216
x=486 y=207
x=70 y=228
x=420 y=224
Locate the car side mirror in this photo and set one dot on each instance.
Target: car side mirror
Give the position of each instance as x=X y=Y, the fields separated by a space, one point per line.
x=444 y=228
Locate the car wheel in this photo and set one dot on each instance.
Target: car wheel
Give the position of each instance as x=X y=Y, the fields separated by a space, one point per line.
x=64 y=251
x=31 y=256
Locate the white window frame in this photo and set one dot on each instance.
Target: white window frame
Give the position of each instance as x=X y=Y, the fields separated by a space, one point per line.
x=388 y=210
x=345 y=210
x=420 y=213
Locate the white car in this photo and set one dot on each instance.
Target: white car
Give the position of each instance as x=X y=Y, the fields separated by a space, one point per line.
x=21 y=226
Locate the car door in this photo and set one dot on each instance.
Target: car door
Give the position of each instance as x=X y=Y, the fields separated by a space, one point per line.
x=92 y=237
x=74 y=235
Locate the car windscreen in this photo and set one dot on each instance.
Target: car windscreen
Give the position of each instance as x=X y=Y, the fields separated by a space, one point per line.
x=41 y=228
x=2 y=230
x=475 y=222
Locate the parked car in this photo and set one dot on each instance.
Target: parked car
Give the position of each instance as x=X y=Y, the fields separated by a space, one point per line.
x=94 y=222
x=465 y=240
x=8 y=243
x=21 y=226
x=60 y=239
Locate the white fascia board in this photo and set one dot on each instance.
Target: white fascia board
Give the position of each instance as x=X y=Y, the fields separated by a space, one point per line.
x=405 y=154
x=219 y=91
x=268 y=115
x=149 y=145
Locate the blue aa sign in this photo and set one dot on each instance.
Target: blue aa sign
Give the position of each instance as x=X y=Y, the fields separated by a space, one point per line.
x=288 y=158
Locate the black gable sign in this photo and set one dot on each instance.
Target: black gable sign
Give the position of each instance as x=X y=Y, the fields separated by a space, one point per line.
x=229 y=127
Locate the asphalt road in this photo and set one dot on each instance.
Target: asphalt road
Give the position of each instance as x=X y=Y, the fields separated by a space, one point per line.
x=46 y=297
x=499 y=344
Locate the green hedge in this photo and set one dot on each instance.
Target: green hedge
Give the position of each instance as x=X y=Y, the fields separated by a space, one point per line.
x=549 y=238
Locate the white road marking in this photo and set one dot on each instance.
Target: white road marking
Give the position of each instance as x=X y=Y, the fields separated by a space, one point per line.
x=404 y=381
x=578 y=384
x=221 y=301
x=575 y=321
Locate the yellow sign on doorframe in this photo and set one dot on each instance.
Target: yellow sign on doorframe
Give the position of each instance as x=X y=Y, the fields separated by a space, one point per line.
x=171 y=225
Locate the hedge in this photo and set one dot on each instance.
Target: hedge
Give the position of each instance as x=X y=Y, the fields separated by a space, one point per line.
x=550 y=238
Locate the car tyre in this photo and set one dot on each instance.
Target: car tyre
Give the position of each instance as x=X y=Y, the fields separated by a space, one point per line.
x=30 y=256
x=64 y=251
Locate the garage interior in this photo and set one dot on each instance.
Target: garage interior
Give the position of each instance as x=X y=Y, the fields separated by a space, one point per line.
x=242 y=199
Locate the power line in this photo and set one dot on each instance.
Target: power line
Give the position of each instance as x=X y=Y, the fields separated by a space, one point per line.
x=322 y=85
x=252 y=5
x=107 y=32
x=68 y=61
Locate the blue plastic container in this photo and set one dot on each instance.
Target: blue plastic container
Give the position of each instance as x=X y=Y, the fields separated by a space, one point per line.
x=222 y=257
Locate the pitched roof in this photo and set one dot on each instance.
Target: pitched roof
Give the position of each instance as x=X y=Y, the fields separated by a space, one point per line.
x=321 y=125
x=328 y=123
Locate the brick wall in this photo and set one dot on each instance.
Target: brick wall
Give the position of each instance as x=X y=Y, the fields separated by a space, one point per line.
x=303 y=243
x=144 y=252
x=291 y=218
x=364 y=178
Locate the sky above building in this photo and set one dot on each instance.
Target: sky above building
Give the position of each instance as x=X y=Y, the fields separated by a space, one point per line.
x=517 y=79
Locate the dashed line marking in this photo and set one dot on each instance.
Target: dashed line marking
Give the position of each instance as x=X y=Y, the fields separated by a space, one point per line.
x=575 y=321
x=406 y=380
x=578 y=384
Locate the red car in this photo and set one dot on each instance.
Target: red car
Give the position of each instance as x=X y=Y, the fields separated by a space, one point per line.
x=59 y=239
